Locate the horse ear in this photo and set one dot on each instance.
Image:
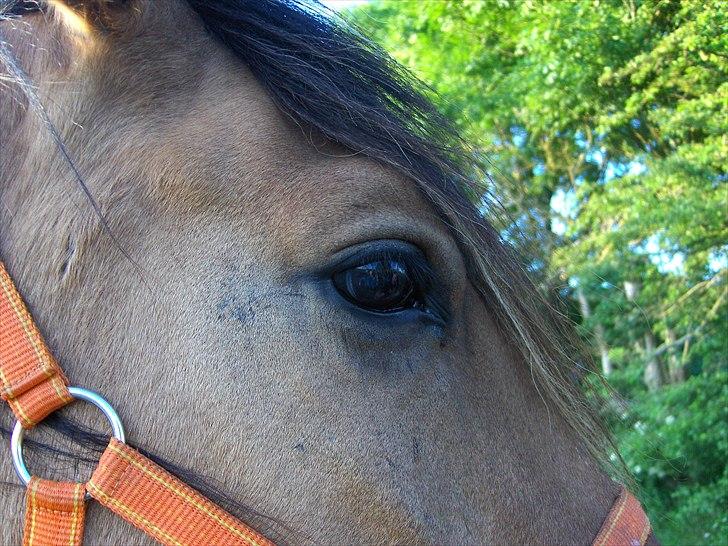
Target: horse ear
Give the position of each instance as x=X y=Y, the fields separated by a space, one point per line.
x=106 y=15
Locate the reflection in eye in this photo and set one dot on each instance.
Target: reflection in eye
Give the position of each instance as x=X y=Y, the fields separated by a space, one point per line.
x=385 y=285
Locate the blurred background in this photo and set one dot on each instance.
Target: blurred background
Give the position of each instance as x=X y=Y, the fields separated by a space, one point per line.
x=605 y=127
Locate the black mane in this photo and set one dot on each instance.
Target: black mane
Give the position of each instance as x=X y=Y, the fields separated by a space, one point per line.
x=326 y=74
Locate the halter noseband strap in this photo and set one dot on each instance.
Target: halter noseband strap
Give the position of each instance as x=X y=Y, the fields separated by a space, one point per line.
x=626 y=524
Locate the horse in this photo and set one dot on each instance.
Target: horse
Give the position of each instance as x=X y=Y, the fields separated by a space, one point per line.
x=253 y=232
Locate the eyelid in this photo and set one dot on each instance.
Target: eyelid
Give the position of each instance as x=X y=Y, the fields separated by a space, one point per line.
x=379 y=251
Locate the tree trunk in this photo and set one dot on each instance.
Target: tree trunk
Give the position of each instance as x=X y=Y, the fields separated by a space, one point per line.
x=599 y=336
x=675 y=369
x=653 y=373
x=631 y=289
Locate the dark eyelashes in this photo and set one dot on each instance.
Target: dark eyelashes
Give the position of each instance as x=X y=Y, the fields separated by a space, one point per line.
x=415 y=262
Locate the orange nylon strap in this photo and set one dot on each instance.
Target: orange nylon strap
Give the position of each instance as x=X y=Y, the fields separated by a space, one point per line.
x=54 y=514
x=31 y=380
x=152 y=499
x=626 y=524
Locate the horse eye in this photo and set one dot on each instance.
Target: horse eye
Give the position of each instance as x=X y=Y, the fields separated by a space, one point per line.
x=385 y=286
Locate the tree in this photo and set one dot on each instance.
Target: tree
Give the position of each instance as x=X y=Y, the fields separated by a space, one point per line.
x=605 y=124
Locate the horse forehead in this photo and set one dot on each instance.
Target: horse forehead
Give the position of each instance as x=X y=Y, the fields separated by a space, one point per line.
x=260 y=164
x=220 y=139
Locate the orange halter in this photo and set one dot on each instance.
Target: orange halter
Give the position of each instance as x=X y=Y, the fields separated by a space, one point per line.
x=125 y=481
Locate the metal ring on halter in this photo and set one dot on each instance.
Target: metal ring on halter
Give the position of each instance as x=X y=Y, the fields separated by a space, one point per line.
x=16 y=440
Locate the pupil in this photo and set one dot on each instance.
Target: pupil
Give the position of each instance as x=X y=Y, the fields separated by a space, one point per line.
x=381 y=285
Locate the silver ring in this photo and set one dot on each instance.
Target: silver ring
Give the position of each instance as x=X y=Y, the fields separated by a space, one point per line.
x=16 y=440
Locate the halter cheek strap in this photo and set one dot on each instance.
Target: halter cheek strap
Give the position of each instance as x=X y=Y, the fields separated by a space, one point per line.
x=128 y=483
x=54 y=513
x=32 y=381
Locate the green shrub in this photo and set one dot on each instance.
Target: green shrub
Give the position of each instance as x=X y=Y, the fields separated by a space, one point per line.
x=675 y=443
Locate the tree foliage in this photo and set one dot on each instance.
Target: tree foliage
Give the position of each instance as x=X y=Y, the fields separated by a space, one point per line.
x=605 y=124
